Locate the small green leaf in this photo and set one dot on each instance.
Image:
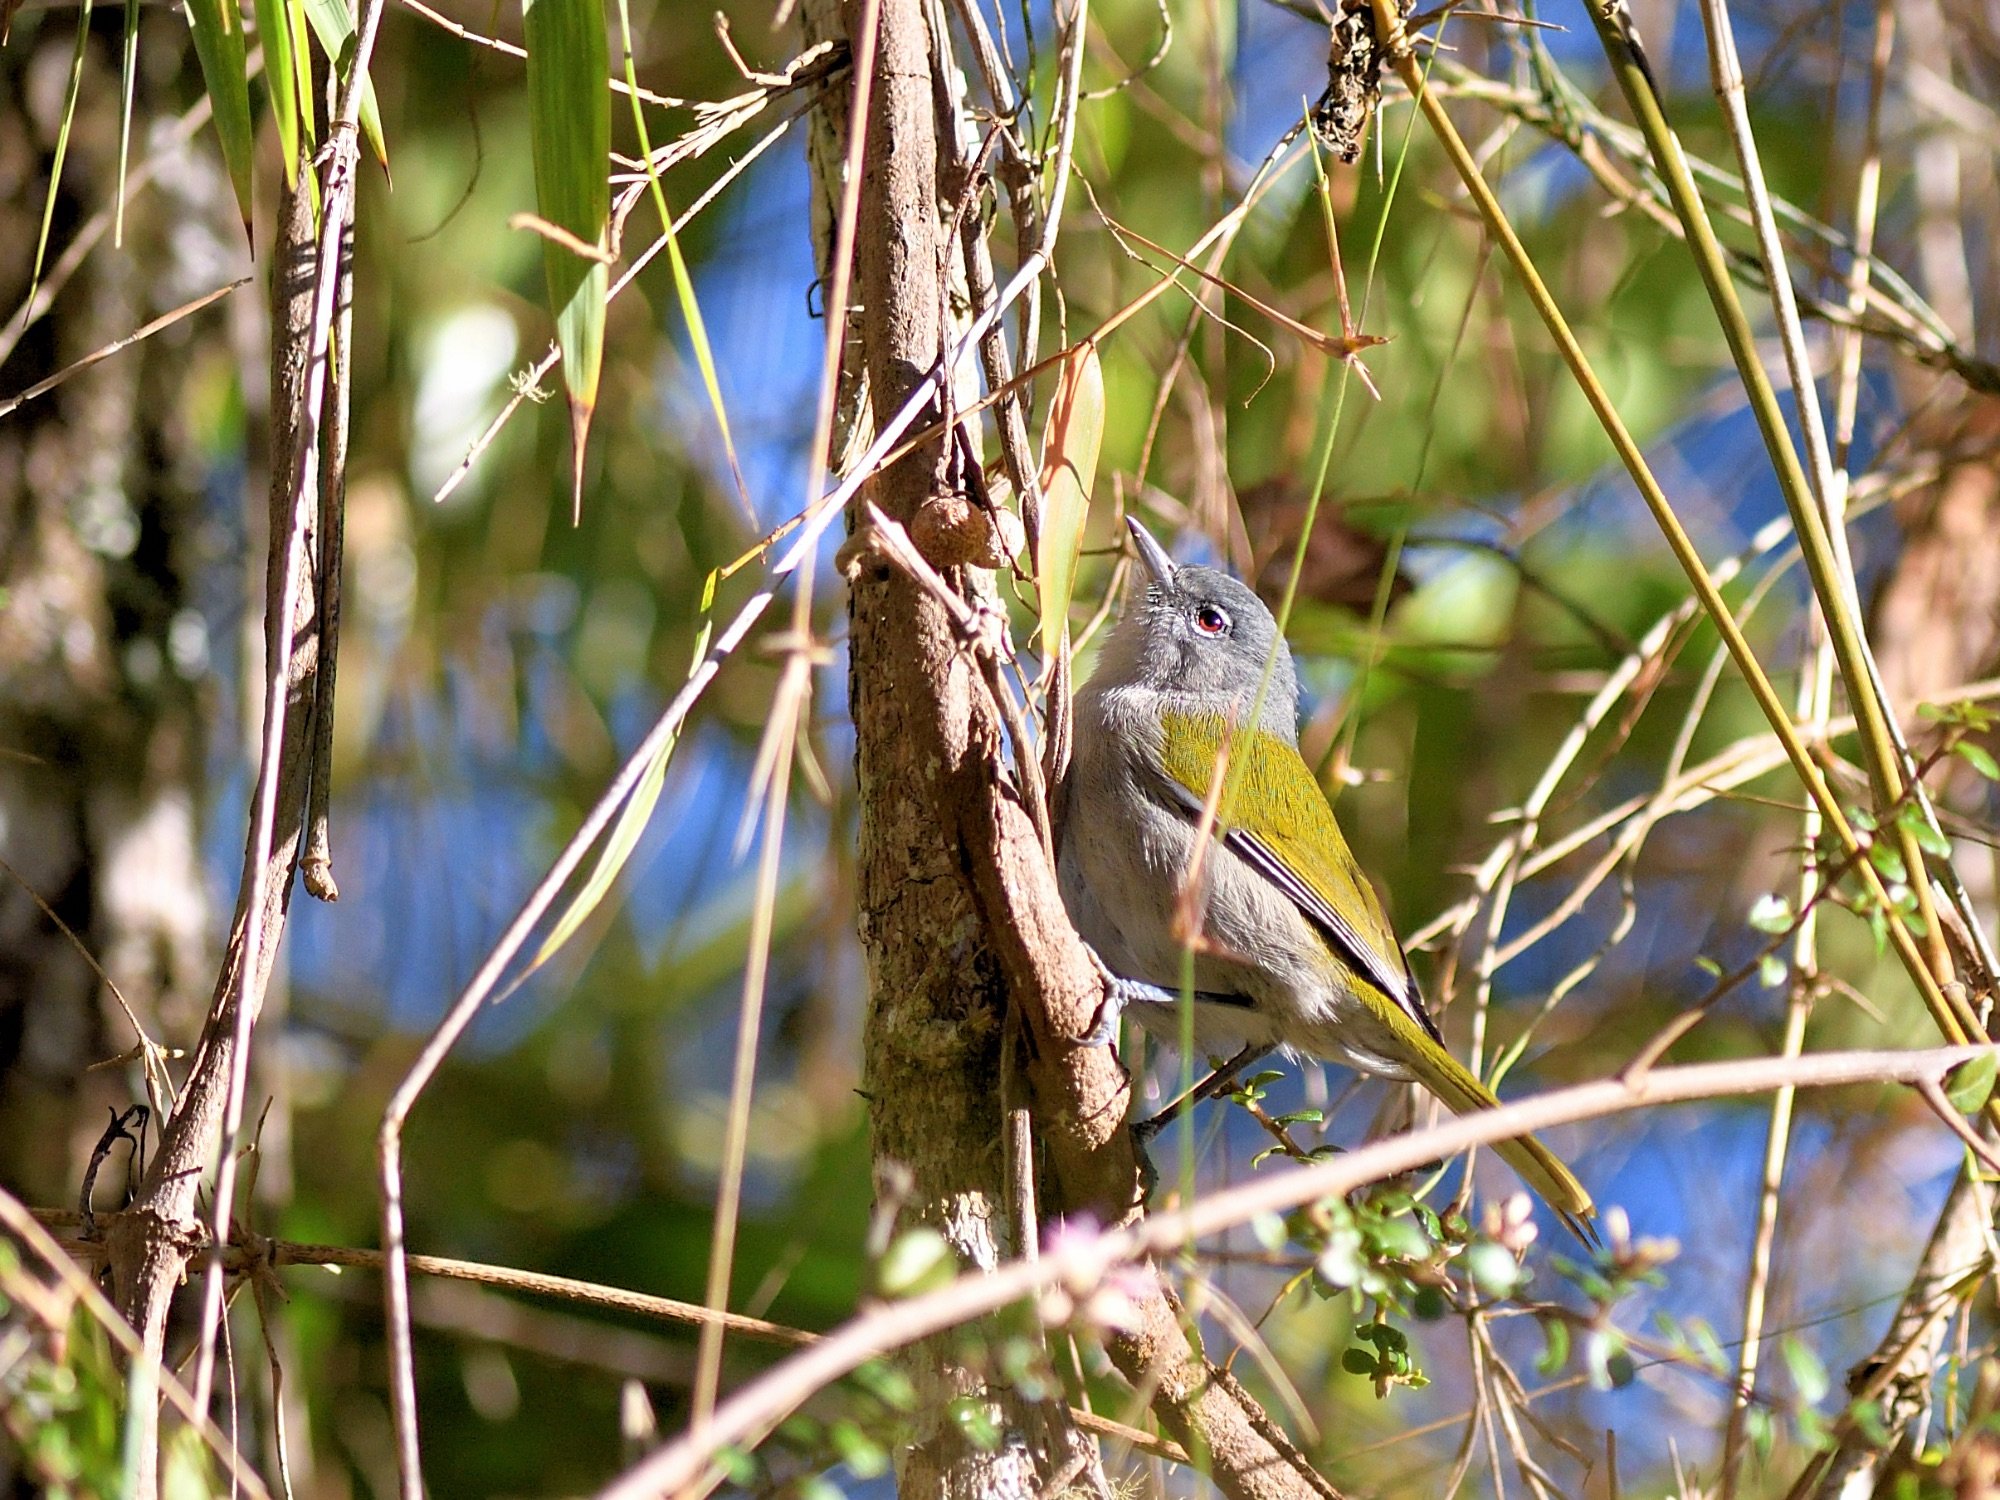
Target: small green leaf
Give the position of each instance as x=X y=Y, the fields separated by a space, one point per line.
x=1979 y=758
x=979 y=1421
x=1493 y=1269
x=1401 y=1239
x=1809 y=1380
x=569 y=126
x=1867 y=1416
x=861 y=1453
x=1930 y=838
x=1969 y=1085
x=1771 y=971
x=1884 y=856
x=1070 y=445
x=1555 y=1347
x=1771 y=913
x=218 y=43
x=917 y=1260
x=890 y=1384
x=1358 y=1362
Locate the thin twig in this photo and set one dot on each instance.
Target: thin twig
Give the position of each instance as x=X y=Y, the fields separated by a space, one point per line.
x=97 y=356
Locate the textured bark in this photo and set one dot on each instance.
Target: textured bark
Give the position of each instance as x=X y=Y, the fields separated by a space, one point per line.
x=959 y=910
x=932 y=1050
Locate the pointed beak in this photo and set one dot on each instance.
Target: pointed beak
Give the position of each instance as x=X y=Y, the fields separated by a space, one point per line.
x=1159 y=566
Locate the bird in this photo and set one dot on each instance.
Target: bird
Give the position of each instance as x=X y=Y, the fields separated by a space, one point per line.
x=1294 y=949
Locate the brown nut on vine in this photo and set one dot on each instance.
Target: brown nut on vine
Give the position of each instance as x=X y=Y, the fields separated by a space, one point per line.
x=951 y=532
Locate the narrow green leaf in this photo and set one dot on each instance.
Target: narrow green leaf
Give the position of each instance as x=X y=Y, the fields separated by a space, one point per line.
x=1070 y=445
x=569 y=124
x=618 y=847
x=704 y=356
x=281 y=81
x=335 y=30
x=62 y=142
x=218 y=43
x=128 y=79
x=295 y=17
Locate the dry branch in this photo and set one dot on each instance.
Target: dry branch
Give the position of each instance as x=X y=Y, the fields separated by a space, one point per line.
x=1082 y=1261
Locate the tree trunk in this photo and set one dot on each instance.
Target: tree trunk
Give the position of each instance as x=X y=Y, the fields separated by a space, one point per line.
x=959 y=912
x=938 y=1000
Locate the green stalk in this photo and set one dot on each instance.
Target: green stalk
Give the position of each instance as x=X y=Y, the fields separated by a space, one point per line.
x=1956 y=1022
x=1885 y=774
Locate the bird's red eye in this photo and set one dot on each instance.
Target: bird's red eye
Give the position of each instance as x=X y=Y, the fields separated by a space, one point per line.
x=1211 y=620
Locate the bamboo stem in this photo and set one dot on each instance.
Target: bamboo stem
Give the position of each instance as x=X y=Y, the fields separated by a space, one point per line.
x=1955 y=1026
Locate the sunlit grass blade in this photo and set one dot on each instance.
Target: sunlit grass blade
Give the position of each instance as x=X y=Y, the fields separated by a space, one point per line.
x=1070 y=444
x=632 y=818
x=128 y=79
x=218 y=43
x=569 y=123
x=618 y=847
x=295 y=17
x=62 y=142
x=281 y=80
x=704 y=357
x=335 y=30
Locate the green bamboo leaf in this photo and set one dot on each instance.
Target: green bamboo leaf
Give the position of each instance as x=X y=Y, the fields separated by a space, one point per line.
x=295 y=16
x=62 y=141
x=335 y=30
x=281 y=81
x=1969 y=1085
x=683 y=283
x=632 y=818
x=569 y=124
x=1070 y=444
x=624 y=838
x=218 y=43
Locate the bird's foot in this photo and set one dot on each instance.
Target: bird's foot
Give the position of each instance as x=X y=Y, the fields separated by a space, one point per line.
x=1119 y=992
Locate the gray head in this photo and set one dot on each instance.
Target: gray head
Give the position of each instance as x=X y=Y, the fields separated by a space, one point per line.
x=1197 y=633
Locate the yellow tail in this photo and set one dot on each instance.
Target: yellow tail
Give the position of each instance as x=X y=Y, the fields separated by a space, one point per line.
x=1539 y=1167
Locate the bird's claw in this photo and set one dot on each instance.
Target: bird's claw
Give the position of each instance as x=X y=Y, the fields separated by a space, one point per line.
x=1104 y=1028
